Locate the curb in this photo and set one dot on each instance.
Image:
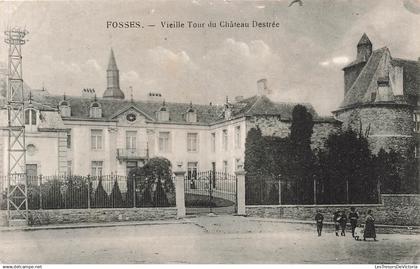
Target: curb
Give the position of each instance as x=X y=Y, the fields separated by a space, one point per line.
x=92 y=225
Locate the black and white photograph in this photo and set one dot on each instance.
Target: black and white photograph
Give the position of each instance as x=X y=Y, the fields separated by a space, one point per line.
x=281 y=132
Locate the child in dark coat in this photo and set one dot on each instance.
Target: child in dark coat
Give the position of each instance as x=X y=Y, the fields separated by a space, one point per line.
x=319 y=218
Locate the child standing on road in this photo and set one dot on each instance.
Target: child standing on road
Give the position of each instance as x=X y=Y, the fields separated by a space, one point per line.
x=319 y=218
x=358 y=232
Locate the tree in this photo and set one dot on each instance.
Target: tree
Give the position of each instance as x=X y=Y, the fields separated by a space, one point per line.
x=116 y=199
x=101 y=199
x=302 y=159
x=255 y=165
x=349 y=168
x=154 y=182
x=386 y=171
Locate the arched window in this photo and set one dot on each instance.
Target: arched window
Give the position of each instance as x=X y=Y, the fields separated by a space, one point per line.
x=95 y=110
x=191 y=115
x=30 y=116
x=65 y=109
x=162 y=114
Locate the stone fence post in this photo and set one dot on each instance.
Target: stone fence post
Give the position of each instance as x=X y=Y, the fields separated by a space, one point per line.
x=179 y=192
x=240 y=192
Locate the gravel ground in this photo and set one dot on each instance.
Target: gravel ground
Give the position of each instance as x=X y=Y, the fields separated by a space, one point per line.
x=221 y=239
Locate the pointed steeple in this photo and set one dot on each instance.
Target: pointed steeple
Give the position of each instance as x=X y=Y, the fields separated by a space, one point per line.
x=364 y=49
x=112 y=64
x=364 y=40
x=113 y=79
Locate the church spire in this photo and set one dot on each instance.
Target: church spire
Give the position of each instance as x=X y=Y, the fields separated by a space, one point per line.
x=113 y=79
x=112 y=64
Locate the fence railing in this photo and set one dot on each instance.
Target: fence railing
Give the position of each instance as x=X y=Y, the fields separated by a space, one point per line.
x=108 y=191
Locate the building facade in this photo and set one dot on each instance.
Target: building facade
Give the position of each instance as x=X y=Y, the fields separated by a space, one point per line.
x=381 y=98
x=88 y=135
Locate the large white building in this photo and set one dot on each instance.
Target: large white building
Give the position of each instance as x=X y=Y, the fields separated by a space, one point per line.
x=109 y=135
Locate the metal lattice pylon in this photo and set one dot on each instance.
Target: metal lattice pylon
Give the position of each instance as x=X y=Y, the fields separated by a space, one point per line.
x=17 y=187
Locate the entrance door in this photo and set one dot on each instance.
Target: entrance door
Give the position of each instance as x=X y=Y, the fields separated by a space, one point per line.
x=32 y=173
x=131 y=165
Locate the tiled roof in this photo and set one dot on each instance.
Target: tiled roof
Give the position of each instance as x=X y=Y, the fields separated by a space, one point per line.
x=377 y=66
x=206 y=114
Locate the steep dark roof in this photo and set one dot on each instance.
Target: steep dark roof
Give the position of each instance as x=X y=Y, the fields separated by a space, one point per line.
x=379 y=65
x=262 y=105
x=364 y=40
x=206 y=114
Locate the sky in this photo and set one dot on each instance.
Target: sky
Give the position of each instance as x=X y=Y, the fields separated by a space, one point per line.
x=69 y=45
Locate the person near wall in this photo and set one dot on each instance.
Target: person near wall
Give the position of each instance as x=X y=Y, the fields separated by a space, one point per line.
x=370 y=231
x=319 y=219
x=336 y=220
x=353 y=217
x=343 y=223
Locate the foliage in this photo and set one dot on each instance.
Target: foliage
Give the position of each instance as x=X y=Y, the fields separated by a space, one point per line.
x=115 y=197
x=347 y=169
x=153 y=183
x=100 y=197
x=51 y=193
x=76 y=192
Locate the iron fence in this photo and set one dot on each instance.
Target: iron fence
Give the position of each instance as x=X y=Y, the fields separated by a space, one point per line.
x=108 y=191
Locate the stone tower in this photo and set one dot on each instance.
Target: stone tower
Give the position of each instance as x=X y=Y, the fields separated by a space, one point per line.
x=113 y=90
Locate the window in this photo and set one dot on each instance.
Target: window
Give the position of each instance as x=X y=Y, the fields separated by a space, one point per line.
x=30 y=117
x=96 y=139
x=192 y=142
x=213 y=142
x=225 y=140
x=192 y=170
x=417 y=122
x=131 y=140
x=69 y=139
x=95 y=110
x=164 y=145
x=69 y=167
x=225 y=167
x=238 y=137
x=65 y=109
x=97 y=167
x=162 y=114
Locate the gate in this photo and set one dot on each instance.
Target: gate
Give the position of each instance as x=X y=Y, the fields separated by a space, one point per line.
x=210 y=192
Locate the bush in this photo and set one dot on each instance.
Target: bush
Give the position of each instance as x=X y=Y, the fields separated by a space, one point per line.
x=101 y=199
x=116 y=199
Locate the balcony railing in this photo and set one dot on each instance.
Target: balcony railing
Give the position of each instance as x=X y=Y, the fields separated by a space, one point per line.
x=131 y=154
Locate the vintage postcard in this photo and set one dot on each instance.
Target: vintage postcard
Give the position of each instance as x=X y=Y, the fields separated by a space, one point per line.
x=210 y=132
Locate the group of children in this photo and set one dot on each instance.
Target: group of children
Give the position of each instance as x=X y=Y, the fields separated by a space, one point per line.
x=358 y=231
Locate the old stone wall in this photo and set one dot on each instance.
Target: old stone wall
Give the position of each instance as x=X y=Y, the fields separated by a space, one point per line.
x=388 y=126
x=396 y=209
x=274 y=126
x=67 y=216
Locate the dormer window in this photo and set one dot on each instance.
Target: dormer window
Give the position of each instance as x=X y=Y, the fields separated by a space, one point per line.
x=191 y=115
x=95 y=110
x=30 y=117
x=162 y=114
x=65 y=109
x=228 y=111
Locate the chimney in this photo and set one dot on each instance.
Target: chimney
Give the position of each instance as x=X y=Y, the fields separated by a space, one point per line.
x=155 y=97
x=262 y=86
x=397 y=80
x=384 y=92
x=88 y=93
